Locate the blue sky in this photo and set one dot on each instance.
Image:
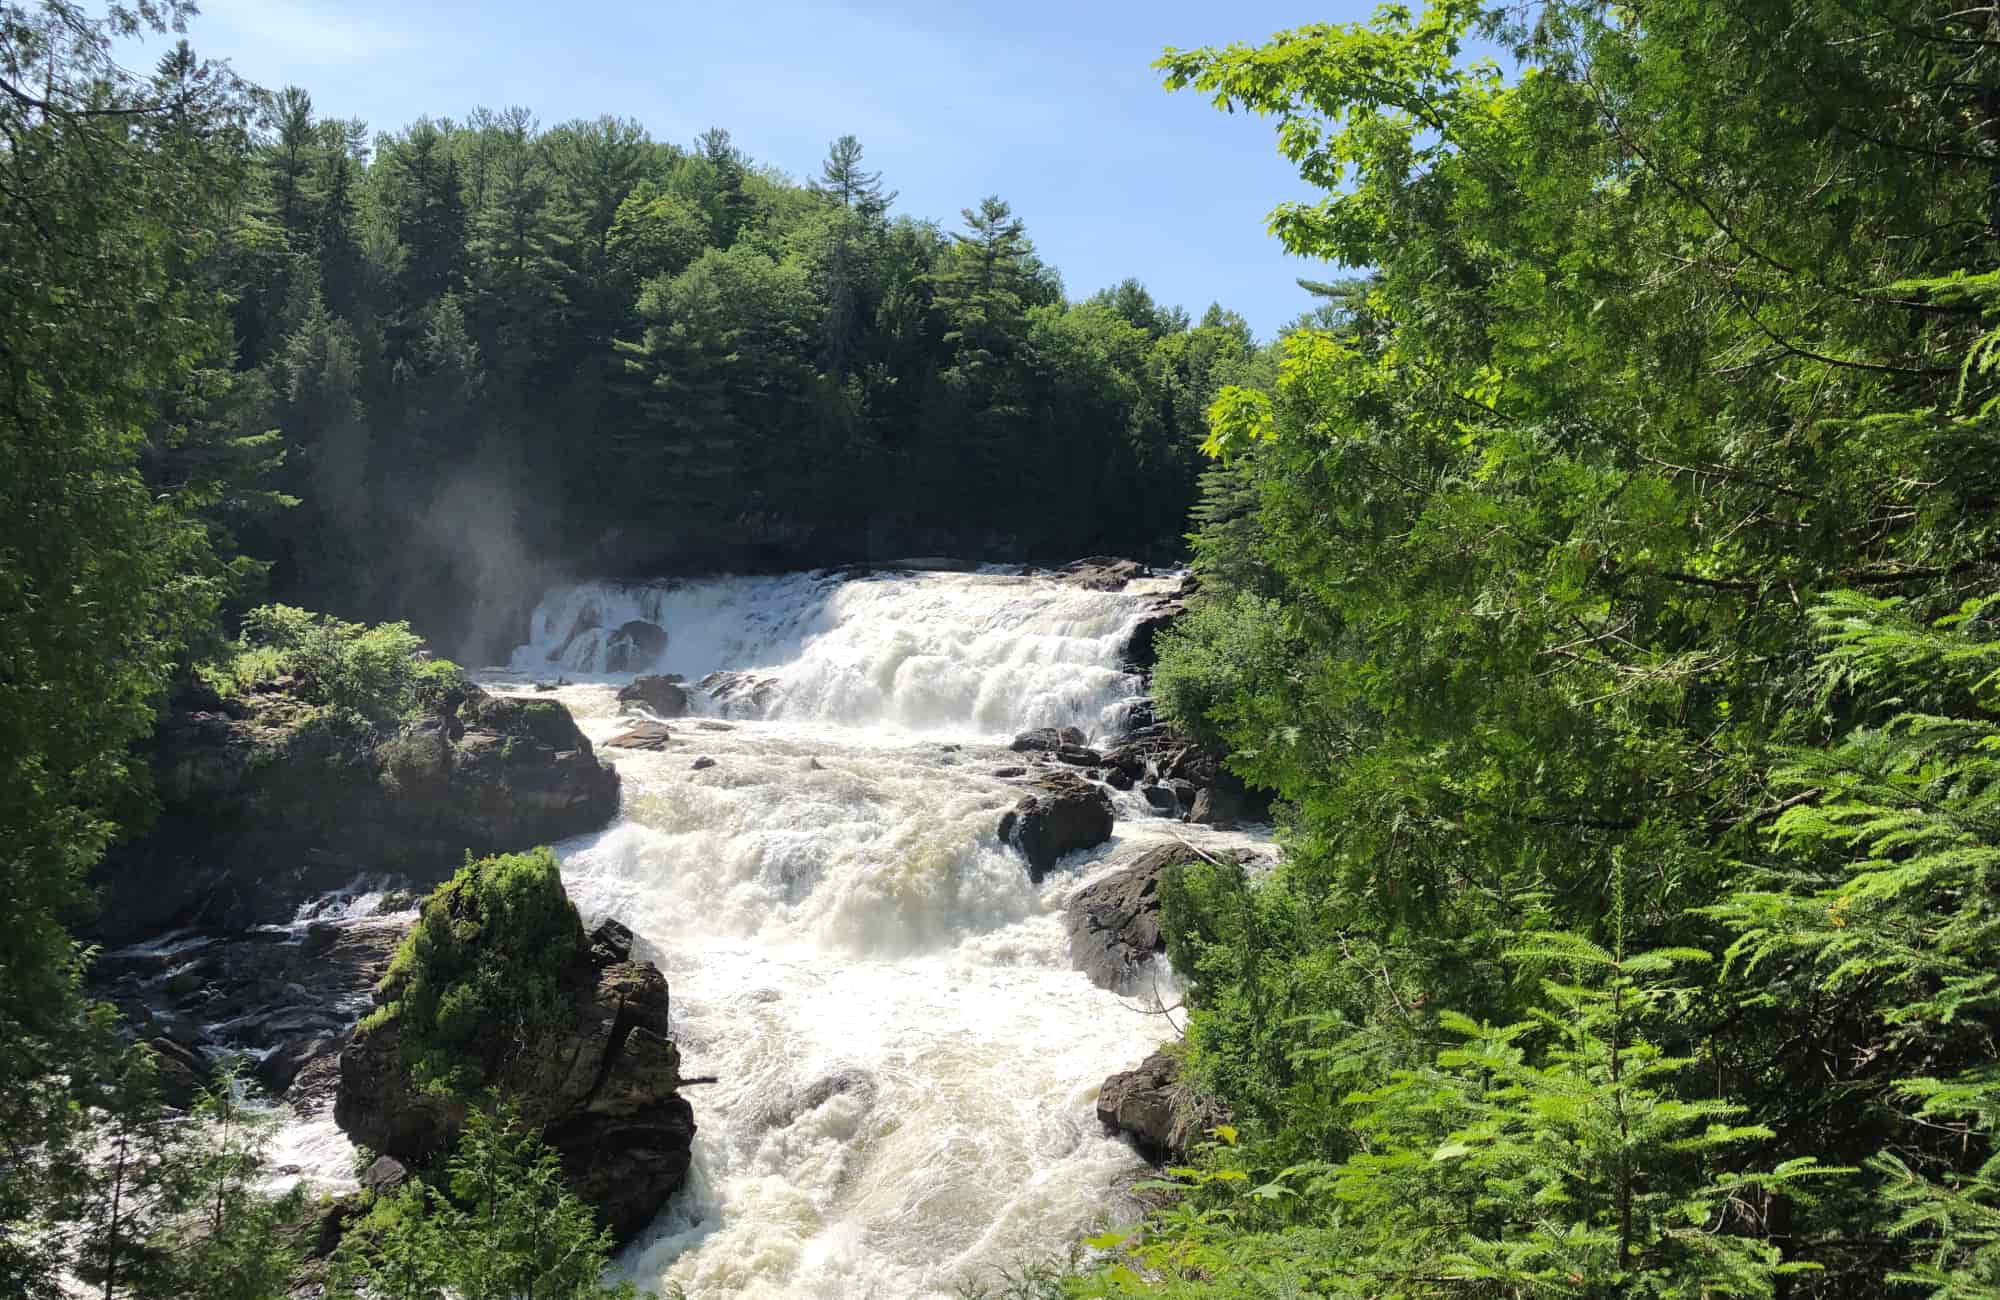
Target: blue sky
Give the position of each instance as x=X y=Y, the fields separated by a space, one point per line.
x=1052 y=106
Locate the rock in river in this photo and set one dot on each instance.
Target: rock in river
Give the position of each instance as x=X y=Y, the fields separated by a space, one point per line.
x=1067 y=813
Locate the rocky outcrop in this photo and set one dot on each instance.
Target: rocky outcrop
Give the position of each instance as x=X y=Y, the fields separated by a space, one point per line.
x=266 y=803
x=602 y=1086
x=633 y=646
x=1151 y=1106
x=1067 y=813
x=662 y=696
x=1101 y=572
x=1173 y=772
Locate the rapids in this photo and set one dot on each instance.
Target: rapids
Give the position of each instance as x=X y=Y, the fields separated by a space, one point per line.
x=907 y=1061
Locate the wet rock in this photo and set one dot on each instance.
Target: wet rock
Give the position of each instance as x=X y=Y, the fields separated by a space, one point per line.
x=1142 y=651
x=1163 y=801
x=183 y=1075
x=1067 y=813
x=663 y=696
x=707 y=724
x=1078 y=755
x=641 y=735
x=262 y=811
x=1101 y=572
x=741 y=693
x=1149 y=1105
x=1046 y=739
x=1118 y=779
x=1218 y=806
x=633 y=646
x=288 y=1059
x=602 y=1086
x=703 y=763
x=1009 y=773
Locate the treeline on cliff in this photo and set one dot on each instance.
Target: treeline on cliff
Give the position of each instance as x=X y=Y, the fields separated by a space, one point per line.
x=1609 y=593
x=487 y=343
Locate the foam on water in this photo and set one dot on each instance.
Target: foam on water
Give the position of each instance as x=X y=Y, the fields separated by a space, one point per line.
x=985 y=653
x=906 y=1060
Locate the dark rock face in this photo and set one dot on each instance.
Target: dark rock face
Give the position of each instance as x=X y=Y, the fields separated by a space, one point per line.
x=633 y=646
x=1046 y=740
x=641 y=735
x=259 y=990
x=664 y=696
x=1143 y=651
x=265 y=806
x=1162 y=800
x=603 y=1088
x=1068 y=813
x=1114 y=923
x=1149 y=1105
x=1101 y=572
x=1078 y=755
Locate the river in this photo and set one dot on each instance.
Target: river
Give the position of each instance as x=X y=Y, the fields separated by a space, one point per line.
x=906 y=1061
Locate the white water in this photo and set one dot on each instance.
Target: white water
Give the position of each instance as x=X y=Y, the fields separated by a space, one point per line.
x=992 y=652
x=907 y=1061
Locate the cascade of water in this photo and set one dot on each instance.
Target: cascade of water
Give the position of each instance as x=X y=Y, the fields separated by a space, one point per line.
x=906 y=1060
x=970 y=653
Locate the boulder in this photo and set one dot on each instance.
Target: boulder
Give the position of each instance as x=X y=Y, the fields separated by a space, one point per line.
x=1162 y=800
x=703 y=763
x=1078 y=755
x=1101 y=572
x=268 y=803
x=602 y=1086
x=1046 y=740
x=1009 y=773
x=633 y=646
x=1118 y=779
x=1067 y=813
x=662 y=696
x=1149 y=1105
x=1218 y=805
x=641 y=735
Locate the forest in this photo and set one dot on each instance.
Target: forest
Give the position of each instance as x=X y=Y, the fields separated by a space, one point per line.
x=1604 y=581
x=489 y=347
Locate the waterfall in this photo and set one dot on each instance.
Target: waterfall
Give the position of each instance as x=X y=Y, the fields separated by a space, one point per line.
x=906 y=1061
x=988 y=653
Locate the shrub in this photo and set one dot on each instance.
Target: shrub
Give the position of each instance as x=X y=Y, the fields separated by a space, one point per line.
x=480 y=974
x=1214 y=659
x=380 y=672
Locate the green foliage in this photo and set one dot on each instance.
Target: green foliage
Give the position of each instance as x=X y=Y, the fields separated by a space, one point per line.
x=480 y=973
x=508 y=1229
x=113 y=187
x=1215 y=662
x=381 y=673
x=1605 y=573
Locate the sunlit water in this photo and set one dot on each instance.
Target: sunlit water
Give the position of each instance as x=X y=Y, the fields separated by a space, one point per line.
x=906 y=1061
